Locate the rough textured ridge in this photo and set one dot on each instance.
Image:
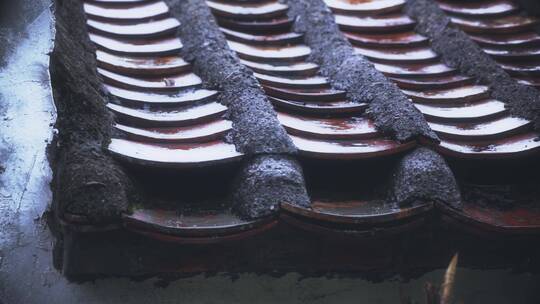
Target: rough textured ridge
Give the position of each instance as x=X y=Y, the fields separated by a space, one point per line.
x=255 y=126
x=88 y=182
x=424 y=176
x=459 y=51
x=267 y=181
x=391 y=110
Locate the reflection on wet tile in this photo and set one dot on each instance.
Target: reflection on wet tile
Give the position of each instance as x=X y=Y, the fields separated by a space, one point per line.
x=192 y=223
x=348 y=149
x=290 y=69
x=523 y=144
x=522 y=39
x=174 y=155
x=203 y=132
x=365 y=6
x=398 y=54
x=374 y=24
x=144 y=11
x=478 y=111
x=267 y=53
x=306 y=95
x=265 y=26
x=138 y=47
x=174 y=82
x=180 y=117
x=328 y=128
x=267 y=40
x=368 y=211
x=300 y=83
x=478 y=8
x=154 y=98
x=508 y=24
x=151 y=28
x=142 y=66
x=399 y=39
x=248 y=10
x=498 y=128
x=456 y=95
x=414 y=69
x=433 y=83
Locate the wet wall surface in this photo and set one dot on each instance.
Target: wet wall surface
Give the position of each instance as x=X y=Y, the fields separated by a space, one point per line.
x=28 y=276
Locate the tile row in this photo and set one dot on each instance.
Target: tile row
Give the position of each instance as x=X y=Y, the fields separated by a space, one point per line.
x=167 y=119
x=470 y=123
x=503 y=31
